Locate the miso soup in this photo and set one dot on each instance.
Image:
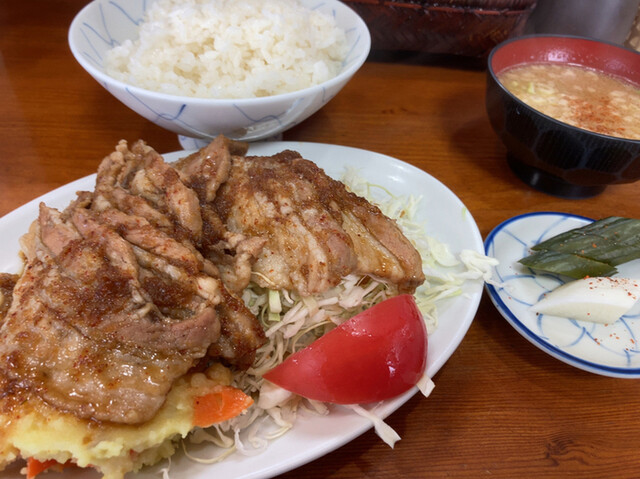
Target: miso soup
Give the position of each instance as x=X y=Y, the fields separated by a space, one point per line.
x=582 y=97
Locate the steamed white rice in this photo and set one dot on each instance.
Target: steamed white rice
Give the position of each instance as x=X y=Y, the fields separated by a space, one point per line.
x=230 y=48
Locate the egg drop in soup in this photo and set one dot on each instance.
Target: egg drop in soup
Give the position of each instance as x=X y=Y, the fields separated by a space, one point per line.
x=580 y=96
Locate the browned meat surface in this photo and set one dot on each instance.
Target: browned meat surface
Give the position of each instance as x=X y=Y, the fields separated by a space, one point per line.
x=84 y=332
x=315 y=231
x=7 y=283
x=116 y=301
x=206 y=169
x=232 y=252
x=237 y=330
x=137 y=182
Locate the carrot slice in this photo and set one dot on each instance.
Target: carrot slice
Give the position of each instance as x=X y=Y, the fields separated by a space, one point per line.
x=224 y=402
x=35 y=467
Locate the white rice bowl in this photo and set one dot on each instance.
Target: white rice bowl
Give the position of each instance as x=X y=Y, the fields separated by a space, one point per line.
x=103 y=25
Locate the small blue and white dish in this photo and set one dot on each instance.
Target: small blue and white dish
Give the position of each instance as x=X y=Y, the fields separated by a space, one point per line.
x=609 y=350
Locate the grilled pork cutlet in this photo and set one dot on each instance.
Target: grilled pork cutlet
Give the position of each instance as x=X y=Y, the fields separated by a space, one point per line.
x=139 y=182
x=116 y=302
x=232 y=252
x=314 y=231
x=83 y=331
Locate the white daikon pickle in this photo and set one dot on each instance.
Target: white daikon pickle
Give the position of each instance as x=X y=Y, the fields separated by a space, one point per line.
x=599 y=300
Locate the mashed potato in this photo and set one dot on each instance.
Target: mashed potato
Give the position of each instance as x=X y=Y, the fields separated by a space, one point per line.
x=230 y=48
x=36 y=430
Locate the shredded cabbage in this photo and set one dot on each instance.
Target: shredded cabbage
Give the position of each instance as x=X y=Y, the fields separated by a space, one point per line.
x=292 y=322
x=383 y=430
x=164 y=472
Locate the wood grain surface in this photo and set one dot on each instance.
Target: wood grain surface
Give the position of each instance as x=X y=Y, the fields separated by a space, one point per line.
x=501 y=407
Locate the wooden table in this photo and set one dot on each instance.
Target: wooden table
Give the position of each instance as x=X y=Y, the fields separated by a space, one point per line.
x=501 y=407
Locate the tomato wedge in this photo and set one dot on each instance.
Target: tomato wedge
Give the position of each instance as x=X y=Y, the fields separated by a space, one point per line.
x=378 y=354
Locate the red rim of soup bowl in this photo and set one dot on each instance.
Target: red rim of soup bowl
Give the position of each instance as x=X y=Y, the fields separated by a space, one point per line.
x=596 y=54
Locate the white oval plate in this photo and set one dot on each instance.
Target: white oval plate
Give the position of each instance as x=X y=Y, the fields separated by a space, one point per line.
x=608 y=350
x=445 y=218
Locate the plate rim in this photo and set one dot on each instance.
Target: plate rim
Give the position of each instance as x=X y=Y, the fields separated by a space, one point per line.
x=527 y=333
